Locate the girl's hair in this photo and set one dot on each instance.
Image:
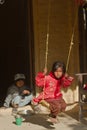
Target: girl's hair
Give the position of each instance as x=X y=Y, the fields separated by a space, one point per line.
x=58 y=64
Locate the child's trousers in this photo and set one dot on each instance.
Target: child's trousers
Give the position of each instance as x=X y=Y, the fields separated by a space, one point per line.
x=56 y=106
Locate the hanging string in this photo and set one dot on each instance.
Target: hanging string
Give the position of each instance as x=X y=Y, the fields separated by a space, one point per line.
x=47 y=36
x=47 y=41
x=43 y=102
x=71 y=43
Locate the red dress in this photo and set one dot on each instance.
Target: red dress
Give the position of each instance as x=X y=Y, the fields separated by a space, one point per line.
x=51 y=86
x=52 y=91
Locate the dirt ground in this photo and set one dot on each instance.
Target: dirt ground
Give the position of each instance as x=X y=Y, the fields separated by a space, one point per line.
x=74 y=113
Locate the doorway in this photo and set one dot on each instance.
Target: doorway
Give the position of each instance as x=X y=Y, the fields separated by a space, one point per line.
x=82 y=14
x=16 y=43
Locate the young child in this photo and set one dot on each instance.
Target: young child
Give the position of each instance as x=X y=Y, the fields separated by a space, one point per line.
x=52 y=84
x=18 y=94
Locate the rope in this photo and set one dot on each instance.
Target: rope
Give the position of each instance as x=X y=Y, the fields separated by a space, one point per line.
x=70 y=48
x=47 y=37
x=43 y=102
x=71 y=43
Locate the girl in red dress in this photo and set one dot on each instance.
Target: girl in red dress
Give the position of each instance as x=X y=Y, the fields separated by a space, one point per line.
x=52 y=84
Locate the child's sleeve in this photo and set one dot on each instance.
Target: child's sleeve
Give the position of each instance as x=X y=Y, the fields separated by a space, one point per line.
x=67 y=81
x=40 y=79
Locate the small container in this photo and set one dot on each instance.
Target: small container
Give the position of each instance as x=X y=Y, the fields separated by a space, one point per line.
x=18 y=120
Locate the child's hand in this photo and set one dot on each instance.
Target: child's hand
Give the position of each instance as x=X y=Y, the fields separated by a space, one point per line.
x=69 y=77
x=66 y=75
x=26 y=92
x=45 y=71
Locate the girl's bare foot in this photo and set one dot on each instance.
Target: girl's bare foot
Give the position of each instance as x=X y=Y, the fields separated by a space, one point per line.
x=53 y=120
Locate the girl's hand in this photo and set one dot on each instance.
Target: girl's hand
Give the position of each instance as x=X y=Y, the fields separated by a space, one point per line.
x=66 y=75
x=69 y=77
x=45 y=71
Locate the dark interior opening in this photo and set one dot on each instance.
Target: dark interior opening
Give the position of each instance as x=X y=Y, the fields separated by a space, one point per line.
x=83 y=37
x=16 y=43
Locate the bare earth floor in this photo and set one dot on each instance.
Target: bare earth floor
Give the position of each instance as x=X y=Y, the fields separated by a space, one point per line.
x=74 y=113
x=66 y=121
